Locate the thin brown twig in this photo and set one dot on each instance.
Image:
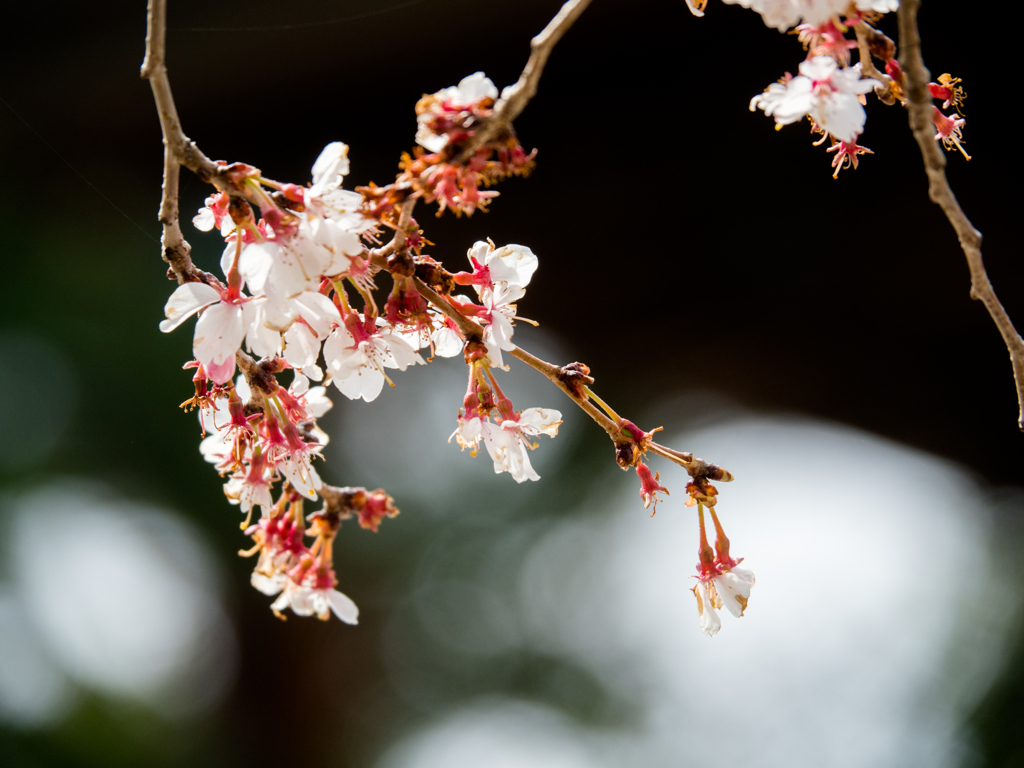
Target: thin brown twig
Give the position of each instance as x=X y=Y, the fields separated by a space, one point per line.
x=920 y=107
x=175 y=249
x=554 y=374
x=403 y=224
x=515 y=98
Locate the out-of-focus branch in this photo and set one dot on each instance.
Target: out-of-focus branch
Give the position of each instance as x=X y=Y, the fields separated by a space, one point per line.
x=863 y=30
x=920 y=107
x=515 y=98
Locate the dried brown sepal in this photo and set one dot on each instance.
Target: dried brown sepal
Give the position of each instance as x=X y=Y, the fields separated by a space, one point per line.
x=283 y=201
x=369 y=506
x=401 y=264
x=575 y=377
x=881 y=46
x=701 y=491
x=433 y=274
x=715 y=472
x=627 y=454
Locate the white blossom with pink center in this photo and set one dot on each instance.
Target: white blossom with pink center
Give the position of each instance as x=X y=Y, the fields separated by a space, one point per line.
x=307 y=600
x=219 y=331
x=511 y=264
x=829 y=94
x=508 y=443
x=356 y=358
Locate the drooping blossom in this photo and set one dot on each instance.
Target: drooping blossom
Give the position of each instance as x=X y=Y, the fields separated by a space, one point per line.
x=357 y=353
x=438 y=116
x=830 y=95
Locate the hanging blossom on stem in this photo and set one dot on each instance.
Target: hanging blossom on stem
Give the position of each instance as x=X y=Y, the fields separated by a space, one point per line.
x=719 y=582
x=488 y=417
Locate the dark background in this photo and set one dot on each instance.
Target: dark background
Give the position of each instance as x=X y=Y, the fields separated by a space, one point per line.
x=683 y=243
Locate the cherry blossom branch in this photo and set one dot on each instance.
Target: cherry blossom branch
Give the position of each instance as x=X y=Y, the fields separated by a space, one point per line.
x=515 y=98
x=919 y=105
x=568 y=379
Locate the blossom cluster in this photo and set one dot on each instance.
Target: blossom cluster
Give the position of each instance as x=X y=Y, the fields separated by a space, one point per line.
x=831 y=92
x=452 y=162
x=298 y=297
x=298 y=292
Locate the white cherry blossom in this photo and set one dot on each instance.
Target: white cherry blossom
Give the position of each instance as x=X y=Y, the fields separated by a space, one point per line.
x=501 y=310
x=219 y=331
x=469 y=91
x=509 y=444
x=511 y=264
x=784 y=14
x=305 y=601
x=830 y=95
x=357 y=365
x=709 y=620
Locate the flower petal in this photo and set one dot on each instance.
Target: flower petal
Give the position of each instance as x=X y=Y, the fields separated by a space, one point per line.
x=187 y=299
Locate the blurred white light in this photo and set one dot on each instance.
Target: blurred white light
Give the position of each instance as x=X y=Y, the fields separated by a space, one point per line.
x=494 y=734
x=122 y=597
x=33 y=693
x=871 y=563
x=873 y=572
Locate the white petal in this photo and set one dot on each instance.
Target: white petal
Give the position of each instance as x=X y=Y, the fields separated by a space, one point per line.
x=539 y=421
x=269 y=585
x=343 y=607
x=204 y=220
x=187 y=299
x=841 y=114
x=519 y=462
x=317 y=310
x=447 y=342
x=255 y=264
x=317 y=402
x=260 y=339
x=475 y=87
x=734 y=591
x=331 y=165
x=513 y=264
x=219 y=333
x=709 y=620
x=301 y=346
x=403 y=353
x=300 y=384
x=301 y=601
